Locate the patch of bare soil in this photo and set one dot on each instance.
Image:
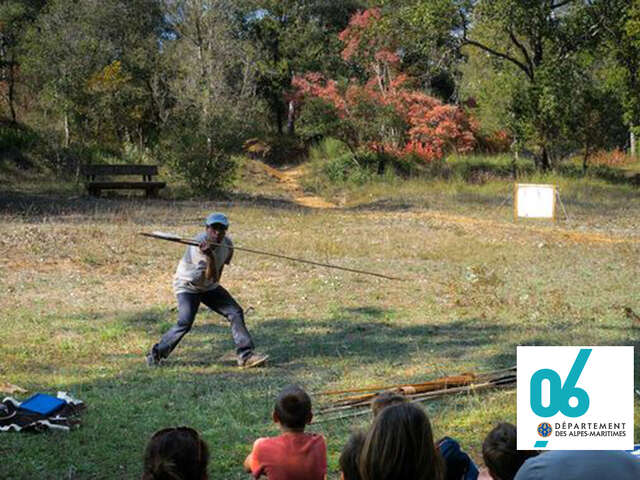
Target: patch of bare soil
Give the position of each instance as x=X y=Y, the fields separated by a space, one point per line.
x=289 y=181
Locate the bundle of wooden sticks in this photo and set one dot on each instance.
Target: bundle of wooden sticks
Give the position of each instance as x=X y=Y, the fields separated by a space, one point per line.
x=355 y=402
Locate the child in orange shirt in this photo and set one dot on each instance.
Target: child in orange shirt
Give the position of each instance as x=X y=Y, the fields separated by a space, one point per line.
x=293 y=455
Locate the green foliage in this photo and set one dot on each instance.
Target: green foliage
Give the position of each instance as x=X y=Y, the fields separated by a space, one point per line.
x=17 y=143
x=621 y=49
x=293 y=36
x=105 y=76
x=335 y=164
x=17 y=137
x=132 y=153
x=16 y=16
x=318 y=119
x=530 y=67
x=490 y=86
x=205 y=169
x=97 y=72
x=201 y=153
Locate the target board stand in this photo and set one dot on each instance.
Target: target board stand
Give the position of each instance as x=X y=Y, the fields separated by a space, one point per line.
x=532 y=200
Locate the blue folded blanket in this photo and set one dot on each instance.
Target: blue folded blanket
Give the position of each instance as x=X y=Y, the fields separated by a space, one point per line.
x=43 y=404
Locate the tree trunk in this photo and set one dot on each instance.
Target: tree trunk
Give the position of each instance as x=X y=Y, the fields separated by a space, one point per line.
x=632 y=142
x=382 y=161
x=545 y=163
x=279 y=114
x=291 y=127
x=66 y=130
x=585 y=158
x=12 y=82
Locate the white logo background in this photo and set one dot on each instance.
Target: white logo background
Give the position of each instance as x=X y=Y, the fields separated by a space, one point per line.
x=608 y=380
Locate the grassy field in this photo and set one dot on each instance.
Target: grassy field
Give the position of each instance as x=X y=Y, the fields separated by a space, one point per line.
x=84 y=297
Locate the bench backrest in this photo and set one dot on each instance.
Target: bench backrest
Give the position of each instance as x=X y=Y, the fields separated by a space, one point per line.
x=120 y=170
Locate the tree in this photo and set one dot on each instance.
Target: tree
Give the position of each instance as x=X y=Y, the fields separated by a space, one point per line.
x=429 y=45
x=293 y=37
x=541 y=39
x=537 y=42
x=214 y=91
x=384 y=112
x=15 y=17
x=622 y=47
x=93 y=67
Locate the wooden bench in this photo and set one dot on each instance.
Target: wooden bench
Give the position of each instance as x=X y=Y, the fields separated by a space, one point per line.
x=94 y=187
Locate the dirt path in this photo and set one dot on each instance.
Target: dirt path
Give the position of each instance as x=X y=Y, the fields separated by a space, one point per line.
x=289 y=180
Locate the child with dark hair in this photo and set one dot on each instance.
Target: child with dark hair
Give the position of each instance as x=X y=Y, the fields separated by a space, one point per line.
x=350 y=455
x=399 y=446
x=293 y=455
x=500 y=453
x=176 y=454
x=384 y=400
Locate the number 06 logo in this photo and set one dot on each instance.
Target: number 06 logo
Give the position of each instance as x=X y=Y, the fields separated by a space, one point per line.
x=559 y=395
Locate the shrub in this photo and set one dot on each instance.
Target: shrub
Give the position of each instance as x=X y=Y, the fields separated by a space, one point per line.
x=494 y=142
x=15 y=142
x=16 y=137
x=318 y=119
x=205 y=169
x=614 y=158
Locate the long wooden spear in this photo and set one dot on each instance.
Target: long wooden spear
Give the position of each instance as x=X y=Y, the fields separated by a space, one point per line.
x=418 y=391
x=345 y=413
x=175 y=238
x=376 y=388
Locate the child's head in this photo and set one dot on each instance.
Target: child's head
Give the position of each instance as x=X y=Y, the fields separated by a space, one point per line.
x=176 y=454
x=384 y=400
x=349 y=456
x=500 y=453
x=400 y=445
x=293 y=408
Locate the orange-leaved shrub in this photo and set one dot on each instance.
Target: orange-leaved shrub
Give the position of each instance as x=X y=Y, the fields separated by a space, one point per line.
x=385 y=113
x=613 y=158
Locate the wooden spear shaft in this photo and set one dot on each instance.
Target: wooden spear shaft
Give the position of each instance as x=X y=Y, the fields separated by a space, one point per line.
x=416 y=399
x=174 y=238
x=486 y=375
x=435 y=393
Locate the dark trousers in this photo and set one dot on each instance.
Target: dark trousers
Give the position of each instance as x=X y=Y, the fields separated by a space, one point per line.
x=218 y=300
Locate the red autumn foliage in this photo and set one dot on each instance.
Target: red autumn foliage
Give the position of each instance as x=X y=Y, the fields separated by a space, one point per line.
x=430 y=128
x=357 y=38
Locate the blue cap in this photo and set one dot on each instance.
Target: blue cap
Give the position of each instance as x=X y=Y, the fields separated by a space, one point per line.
x=217 y=217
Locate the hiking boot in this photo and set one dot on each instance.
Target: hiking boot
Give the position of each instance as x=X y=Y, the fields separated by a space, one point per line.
x=252 y=360
x=153 y=359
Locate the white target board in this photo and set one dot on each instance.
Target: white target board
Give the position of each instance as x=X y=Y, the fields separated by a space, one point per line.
x=534 y=201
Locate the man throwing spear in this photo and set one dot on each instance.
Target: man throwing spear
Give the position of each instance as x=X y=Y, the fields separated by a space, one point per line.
x=197 y=279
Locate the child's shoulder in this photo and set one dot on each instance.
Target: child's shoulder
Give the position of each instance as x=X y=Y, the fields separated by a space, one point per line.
x=315 y=438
